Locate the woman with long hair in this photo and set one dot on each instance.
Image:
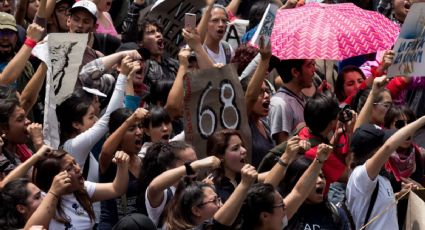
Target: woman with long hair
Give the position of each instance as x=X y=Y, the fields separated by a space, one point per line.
x=265 y=208
x=196 y=205
x=227 y=145
x=163 y=167
x=20 y=197
x=125 y=135
x=257 y=99
x=15 y=131
x=75 y=208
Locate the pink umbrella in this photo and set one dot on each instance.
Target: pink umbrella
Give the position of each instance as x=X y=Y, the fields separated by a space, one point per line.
x=330 y=31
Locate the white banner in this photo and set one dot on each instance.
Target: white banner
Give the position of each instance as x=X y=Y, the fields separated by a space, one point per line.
x=409 y=49
x=63 y=54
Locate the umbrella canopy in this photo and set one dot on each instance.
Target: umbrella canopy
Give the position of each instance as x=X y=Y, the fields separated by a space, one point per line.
x=330 y=31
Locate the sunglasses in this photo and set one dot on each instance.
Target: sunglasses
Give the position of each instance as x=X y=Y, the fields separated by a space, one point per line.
x=400 y=124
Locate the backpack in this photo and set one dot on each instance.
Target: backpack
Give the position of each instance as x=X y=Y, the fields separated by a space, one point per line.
x=227 y=51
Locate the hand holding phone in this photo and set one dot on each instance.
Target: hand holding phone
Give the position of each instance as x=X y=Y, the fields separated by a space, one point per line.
x=190 y=20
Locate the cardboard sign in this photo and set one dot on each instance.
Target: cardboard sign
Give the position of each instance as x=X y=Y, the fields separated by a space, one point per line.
x=415 y=211
x=409 y=49
x=214 y=100
x=265 y=27
x=234 y=32
x=63 y=54
x=170 y=14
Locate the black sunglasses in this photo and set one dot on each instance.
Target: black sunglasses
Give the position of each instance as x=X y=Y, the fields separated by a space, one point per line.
x=400 y=123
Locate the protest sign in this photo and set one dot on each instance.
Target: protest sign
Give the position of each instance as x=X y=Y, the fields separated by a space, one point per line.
x=409 y=49
x=63 y=54
x=234 y=32
x=415 y=211
x=265 y=27
x=170 y=14
x=214 y=100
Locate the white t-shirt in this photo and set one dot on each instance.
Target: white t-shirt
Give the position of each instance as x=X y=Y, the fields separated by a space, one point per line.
x=79 y=219
x=155 y=213
x=219 y=57
x=359 y=192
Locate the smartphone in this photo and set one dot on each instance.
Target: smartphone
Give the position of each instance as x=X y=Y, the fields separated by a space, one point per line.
x=189 y=20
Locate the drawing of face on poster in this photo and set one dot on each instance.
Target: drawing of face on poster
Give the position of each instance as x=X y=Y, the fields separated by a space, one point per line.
x=65 y=54
x=59 y=58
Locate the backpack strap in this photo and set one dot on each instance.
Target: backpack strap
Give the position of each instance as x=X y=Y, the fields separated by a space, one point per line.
x=86 y=167
x=163 y=216
x=372 y=203
x=343 y=206
x=227 y=51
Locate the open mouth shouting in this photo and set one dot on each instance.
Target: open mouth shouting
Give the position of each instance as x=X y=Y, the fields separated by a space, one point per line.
x=160 y=43
x=165 y=137
x=221 y=32
x=319 y=190
x=5 y=48
x=266 y=104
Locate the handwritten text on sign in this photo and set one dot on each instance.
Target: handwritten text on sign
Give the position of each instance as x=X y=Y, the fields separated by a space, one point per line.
x=410 y=46
x=214 y=101
x=170 y=14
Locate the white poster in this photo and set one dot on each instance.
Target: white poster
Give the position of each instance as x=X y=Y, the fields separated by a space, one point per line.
x=409 y=49
x=265 y=27
x=63 y=54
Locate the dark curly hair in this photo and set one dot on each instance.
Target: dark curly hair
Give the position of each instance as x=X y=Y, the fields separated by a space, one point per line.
x=243 y=56
x=159 y=158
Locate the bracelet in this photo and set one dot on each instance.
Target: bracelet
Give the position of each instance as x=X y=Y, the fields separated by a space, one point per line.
x=282 y=163
x=30 y=42
x=189 y=169
x=54 y=194
x=319 y=161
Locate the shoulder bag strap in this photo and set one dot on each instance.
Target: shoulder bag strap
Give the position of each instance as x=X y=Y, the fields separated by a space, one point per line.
x=372 y=203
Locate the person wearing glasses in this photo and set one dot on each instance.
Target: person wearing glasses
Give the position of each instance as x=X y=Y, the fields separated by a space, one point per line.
x=257 y=101
x=406 y=165
x=266 y=208
x=380 y=102
x=196 y=205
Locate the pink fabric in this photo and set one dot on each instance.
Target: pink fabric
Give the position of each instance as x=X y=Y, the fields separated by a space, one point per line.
x=401 y=166
x=109 y=29
x=330 y=31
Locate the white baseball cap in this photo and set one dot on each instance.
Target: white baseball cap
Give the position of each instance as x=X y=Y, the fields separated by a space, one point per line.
x=87 y=5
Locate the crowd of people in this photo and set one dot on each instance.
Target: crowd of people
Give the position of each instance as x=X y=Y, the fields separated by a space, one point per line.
x=331 y=148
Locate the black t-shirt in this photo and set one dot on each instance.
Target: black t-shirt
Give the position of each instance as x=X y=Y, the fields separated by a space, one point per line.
x=260 y=145
x=114 y=209
x=323 y=216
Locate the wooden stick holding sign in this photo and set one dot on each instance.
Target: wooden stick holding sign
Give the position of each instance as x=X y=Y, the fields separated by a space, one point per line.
x=214 y=100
